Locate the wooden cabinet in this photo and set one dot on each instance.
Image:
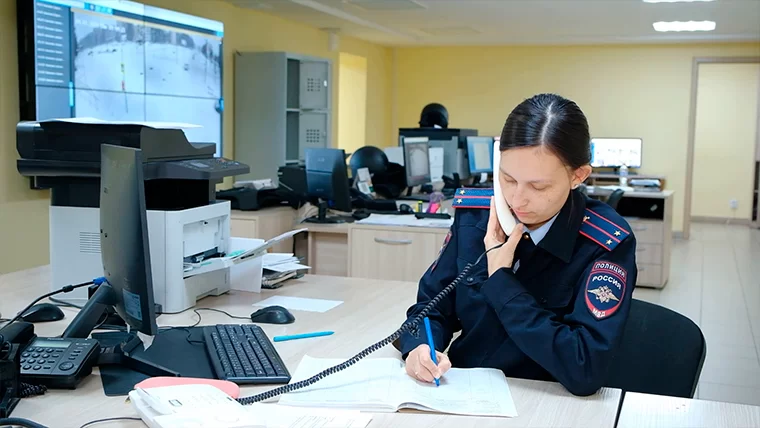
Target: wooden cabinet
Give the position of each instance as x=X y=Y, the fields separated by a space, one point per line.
x=400 y=255
x=650 y=215
x=264 y=224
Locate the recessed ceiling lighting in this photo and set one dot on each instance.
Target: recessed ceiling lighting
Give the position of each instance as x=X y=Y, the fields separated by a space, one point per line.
x=684 y=26
x=675 y=1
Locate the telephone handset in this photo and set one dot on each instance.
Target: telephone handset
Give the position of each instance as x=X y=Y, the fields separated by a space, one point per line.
x=503 y=213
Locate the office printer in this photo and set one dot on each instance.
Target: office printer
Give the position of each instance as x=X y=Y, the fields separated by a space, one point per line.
x=186 y=223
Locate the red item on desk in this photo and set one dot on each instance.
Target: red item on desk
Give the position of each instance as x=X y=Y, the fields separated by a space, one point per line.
x=230 y=388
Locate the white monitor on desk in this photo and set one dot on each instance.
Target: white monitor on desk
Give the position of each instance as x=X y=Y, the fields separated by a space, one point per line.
x=616 y=152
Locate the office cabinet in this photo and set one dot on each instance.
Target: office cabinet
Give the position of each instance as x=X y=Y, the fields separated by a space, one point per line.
x=394 y=255
x=283 y=105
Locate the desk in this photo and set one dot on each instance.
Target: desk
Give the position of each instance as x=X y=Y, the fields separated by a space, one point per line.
x=539 y=404
x=645 y=410
x=650 y=215
x=393 y=253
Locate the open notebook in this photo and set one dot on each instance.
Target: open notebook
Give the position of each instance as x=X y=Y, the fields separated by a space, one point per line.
x=382 y=385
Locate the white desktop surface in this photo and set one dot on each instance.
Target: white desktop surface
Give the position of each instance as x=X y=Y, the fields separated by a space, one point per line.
x=372 y=310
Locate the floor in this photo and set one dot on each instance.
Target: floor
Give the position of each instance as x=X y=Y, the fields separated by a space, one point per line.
x=715 y=281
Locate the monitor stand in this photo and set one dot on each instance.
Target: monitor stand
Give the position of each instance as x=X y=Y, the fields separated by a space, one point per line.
x=88 y=319
x=322 y=216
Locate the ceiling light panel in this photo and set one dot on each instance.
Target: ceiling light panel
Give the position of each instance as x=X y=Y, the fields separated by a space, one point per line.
x=679 y=26
x=677 y=1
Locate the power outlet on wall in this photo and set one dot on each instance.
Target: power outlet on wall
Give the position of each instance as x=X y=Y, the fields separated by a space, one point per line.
x=733 y=203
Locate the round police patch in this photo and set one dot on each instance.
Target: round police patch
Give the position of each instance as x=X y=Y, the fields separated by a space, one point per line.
x=605 y=288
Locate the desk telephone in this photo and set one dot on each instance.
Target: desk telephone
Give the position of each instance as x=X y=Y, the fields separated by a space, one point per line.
x=507 y=221
x=52 y=361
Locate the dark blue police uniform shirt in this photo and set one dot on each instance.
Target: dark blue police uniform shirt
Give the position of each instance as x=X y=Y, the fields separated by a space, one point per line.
x=558 y=317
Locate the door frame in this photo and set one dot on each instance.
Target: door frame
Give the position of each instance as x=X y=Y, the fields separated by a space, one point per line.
x=696 y=61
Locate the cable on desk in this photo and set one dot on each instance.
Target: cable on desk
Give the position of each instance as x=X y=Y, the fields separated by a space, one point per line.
x=121 y=418
x=64 y=303
x=19 y=422
x=187 y=328
x=408 y=326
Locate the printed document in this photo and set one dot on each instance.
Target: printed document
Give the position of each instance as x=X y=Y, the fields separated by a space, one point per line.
x=382 y=385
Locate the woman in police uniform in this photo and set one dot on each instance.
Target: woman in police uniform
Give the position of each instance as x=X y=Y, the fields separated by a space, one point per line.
x=552 y=301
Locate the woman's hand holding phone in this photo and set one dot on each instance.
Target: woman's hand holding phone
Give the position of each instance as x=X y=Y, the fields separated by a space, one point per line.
x=502 y=257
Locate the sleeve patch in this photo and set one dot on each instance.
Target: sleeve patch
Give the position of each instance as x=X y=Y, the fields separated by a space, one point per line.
x=605 y=289
x=440 y=252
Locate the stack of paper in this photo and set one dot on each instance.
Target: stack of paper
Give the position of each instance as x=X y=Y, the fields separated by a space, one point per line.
x=282 y=262
x=382 y=385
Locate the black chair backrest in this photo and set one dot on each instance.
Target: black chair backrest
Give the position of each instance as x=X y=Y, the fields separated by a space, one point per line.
x=661 y=352
x=615 y=198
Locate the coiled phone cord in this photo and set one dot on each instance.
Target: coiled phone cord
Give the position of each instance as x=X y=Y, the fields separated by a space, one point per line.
x=407 y=326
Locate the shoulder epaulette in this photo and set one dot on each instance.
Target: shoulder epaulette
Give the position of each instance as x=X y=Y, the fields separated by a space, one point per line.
x=472 y=198
x=602 y=230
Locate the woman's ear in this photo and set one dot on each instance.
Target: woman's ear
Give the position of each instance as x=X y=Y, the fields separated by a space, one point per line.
x=580 y=175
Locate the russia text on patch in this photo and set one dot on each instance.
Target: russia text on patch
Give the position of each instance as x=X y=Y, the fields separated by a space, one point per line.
x=605 y=289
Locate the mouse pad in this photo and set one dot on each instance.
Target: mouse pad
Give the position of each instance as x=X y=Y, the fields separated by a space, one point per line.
x=180 y=349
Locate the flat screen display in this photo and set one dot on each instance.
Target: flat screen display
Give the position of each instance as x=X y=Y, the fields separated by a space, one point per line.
x=121 y=60
x=616 y=152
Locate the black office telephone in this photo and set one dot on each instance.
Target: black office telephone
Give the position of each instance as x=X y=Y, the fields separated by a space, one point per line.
x=51 y=361
x=58 y=363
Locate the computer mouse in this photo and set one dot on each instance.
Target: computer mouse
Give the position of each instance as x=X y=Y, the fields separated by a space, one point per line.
x=43 y=312
x=361 y=214
x=273 y=315
x=406 y=209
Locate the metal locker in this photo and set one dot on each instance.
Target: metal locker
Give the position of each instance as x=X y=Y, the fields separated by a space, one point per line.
x=313 y=87
x=312 y=132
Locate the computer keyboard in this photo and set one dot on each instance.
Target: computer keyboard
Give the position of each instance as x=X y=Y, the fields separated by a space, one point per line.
x=243 y=354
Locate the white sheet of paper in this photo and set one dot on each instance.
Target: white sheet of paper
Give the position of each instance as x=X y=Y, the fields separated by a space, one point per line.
x=382 y=385
x=276 y=416
x=300 y=303
x=286 y=267
x=405 y=220
x=436 y=163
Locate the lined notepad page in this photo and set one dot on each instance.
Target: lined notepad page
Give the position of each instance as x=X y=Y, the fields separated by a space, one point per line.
x=381 y=384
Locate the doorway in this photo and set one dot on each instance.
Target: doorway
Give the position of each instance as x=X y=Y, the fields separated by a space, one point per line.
x=723 y=141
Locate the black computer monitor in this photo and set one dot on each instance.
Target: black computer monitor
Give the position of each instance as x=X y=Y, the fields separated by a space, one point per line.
x=417 y=160
x=327 y=182
x=125 y=253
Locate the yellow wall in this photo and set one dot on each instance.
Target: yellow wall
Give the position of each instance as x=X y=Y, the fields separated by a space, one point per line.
x=23 y=213
x=636 y=91
x=352 y=96
x=724 y=141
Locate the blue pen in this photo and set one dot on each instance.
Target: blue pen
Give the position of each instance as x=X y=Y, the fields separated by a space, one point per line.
x=432 y=346
x=302 y=336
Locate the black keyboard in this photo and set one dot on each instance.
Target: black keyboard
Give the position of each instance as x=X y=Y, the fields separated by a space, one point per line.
x=242 y=353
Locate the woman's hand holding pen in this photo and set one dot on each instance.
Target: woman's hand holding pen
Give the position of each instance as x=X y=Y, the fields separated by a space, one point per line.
x=420 y=366
x=501 y=257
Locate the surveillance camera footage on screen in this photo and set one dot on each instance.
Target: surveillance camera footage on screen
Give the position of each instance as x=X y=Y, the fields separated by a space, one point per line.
x=122 y=60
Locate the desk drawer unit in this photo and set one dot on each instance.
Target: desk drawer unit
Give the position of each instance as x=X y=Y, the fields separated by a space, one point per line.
x=651 y=247
x=392 y=254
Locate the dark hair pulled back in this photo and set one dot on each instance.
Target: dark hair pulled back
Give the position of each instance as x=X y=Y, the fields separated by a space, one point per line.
x=551 y=121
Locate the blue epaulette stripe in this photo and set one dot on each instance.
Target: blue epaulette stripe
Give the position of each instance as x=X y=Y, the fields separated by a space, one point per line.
x=474 y=191
x=598 y=236
x=603 y=231
x=471 y=202
x=608 y=221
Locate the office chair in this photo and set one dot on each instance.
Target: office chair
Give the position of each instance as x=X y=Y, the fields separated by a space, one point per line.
x=615 y=198
x=661 y=352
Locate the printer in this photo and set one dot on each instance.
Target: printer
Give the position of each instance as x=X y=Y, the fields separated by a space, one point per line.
x=186 y=224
